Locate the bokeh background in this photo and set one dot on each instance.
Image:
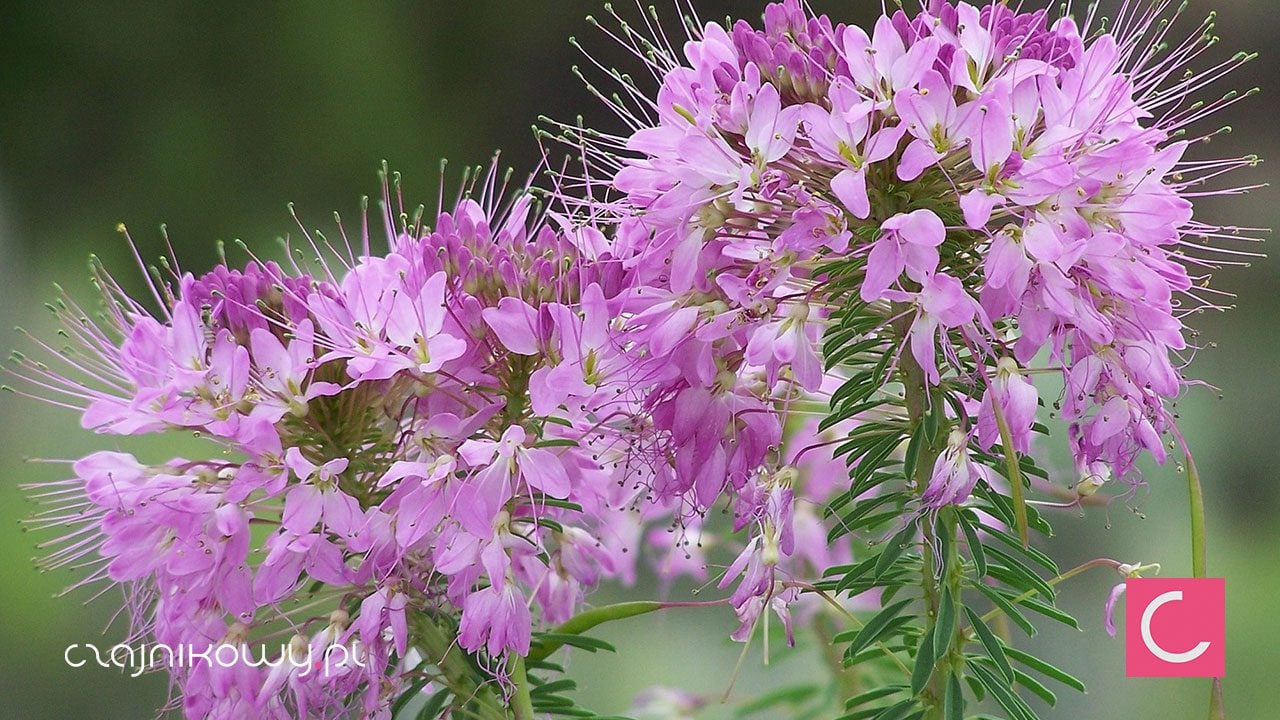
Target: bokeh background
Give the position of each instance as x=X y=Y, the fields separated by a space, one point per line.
x=211 y=118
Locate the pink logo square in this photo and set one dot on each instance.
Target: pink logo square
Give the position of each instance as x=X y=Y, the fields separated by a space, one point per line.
x=1175 y=627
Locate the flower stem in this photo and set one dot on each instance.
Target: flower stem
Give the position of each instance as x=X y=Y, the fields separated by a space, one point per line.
x=1012 y=470
x=469 y=692
x=1199 y=554
x=1200 y=563
x=522 y=703
x=916 y=398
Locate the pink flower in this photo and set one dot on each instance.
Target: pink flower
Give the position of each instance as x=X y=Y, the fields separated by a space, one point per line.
x=496 y=619
x=954 y=474
x=909 y=242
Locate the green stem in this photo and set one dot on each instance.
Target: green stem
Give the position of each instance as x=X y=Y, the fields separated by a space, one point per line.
x=522 y=703
x=847 y=678
x=1199 y=554
x=1200 y=562
x=857 y=624
x=470 y=693
x=1013 y=471
x=916 y=399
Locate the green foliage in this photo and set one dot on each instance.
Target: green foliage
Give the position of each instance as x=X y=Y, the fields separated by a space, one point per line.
x=943 y=574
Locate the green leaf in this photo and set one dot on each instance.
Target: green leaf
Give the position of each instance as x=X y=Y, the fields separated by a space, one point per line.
x=583 y=642
x=1003 y=694
x=793 y=696
x=1029 y=552
x=1050 y=612
x=1007 y=608
x=945 y=624
x=554 y=502
x=556 y=442
x=913 y=453
x=894 y=549
x=854 y=519
x=975 y=545
x=990 y=643
x=434 y=705
x=873 y=695
x=874 y=628
x=1036 y=687
x=1045 y=668
x=924 y=663
x=897 y=712
x=953 y=702
x=1013 y=571
x=553 y=687
x=408 y=695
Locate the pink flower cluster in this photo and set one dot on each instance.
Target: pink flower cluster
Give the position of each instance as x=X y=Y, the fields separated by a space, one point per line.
x=1014 y=193
x=473 y=429
x=461 y=437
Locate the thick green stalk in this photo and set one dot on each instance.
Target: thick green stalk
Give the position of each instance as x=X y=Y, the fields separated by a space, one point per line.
x=468 y=690
x=522 y=702
x=916 y=398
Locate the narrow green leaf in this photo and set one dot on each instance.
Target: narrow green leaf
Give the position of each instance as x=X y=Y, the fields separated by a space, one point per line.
x=990 y=643
x=1050 y=612
x=793 y=696
x=556 y=442
x=1045 y=668
x=924 y=663
x=894 y=549
x=555 y=686
x=872 y=695
x=897 y=712
x=975 y=546
x=913 y=453
x=1029 y=578
x=953 y=703
x=1030 y=552
x=1003 y=694
x=874 y=628
x=1036 y=687
x=408 y=696
x=582 y=642
x=945 y=624
x=852 y=521
x=1007 y=608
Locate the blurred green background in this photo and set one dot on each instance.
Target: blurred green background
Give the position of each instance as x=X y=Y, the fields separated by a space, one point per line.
x=212 y=117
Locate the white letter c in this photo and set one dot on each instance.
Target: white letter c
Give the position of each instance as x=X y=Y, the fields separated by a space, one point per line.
x=1154 y=647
